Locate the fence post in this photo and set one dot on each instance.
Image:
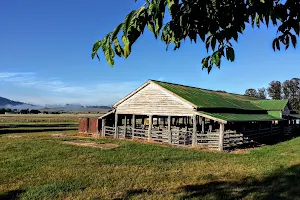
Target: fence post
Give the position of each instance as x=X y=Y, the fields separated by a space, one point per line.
x=150 y=127
x=133 y=125
x=169 y=130
x=221 y=137
x=125 y=126
x=116 y=125
x=103 y=128
x=194 y=136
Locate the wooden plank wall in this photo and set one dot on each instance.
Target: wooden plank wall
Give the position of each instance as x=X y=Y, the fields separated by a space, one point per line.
x=153 y=100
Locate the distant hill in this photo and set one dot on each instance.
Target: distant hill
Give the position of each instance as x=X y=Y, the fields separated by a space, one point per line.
x=7 y=103
x=4 y=102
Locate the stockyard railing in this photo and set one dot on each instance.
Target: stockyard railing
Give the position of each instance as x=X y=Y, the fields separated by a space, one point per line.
x=178 y=136
x=139 y=134
x=211 y=139
x=208 y=139
x=181 y=137
x=160 y=135
x=109 y=131
x=261 y=133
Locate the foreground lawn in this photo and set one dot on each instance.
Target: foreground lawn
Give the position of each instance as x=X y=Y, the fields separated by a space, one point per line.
x=40 y=166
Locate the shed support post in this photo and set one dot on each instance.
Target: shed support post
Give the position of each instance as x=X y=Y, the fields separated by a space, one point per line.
x=169 y=130
x=125 y=126
x=103 y=128
x=150 y=127
x=116 y=125
x=221 y=137
x=133 y=126
x=202 y=124
x=194 y=136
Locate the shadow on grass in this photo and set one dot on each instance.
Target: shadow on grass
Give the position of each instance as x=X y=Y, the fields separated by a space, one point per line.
x=14 y=194
x=283 y=184
x=135 y=192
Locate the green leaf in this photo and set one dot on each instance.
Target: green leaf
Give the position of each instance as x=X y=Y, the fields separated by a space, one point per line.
x=158 y=24
x=208 y=41
x=277 y=44
x=205 y=62
x=128 y=20
x=230 y=53
x=257 y=20
x=151 y=28
x=118 y=48
x=287 y=41
x=216 y=59
x=172 y=6
x=213 y=43
x=126 y=46
x=274 y=44
x=109 y=52
x=116 y=31
x=294 y=40
x=96 y=47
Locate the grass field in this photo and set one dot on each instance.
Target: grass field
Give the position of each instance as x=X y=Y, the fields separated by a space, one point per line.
x=30 y=123
x=41 y=166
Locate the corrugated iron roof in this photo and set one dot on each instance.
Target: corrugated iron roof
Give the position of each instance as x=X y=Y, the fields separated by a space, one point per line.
x=203 y=98
x=232 y=117
x=272 y=105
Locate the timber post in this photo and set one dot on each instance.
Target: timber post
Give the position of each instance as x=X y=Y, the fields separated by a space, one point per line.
x=202 y=124
x=221 y=137
x=116 y=125
x=133 y=126
x=103 y=128
x=169 y=130
x=150 y=127
x=125 y=126
x=194 y=136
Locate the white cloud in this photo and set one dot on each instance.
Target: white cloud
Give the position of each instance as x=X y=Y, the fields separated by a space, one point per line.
x=61 y=92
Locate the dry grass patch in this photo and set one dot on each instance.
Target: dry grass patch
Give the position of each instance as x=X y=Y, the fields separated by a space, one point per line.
x=100 y=145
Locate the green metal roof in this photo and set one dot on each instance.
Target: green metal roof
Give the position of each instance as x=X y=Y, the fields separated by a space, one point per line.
x=203 y=98
x=232 y=117
x=274 y=113
x=210 y=99
x=275 y=105
x=295 y=115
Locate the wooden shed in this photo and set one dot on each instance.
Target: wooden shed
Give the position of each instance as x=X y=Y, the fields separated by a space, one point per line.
x=190 y=116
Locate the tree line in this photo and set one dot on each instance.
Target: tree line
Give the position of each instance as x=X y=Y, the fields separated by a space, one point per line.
x=289 y=89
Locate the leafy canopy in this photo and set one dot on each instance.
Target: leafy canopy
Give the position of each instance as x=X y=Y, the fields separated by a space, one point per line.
x=217 y=23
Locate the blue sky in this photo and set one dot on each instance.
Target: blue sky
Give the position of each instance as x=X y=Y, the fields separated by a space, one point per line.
x=45 y=49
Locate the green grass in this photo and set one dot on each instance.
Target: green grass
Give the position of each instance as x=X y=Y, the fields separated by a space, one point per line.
x=38 y=166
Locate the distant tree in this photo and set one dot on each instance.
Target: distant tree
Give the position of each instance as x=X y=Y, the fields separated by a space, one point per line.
x=251 y=92
x=274 y=90
x=35 y=111
x=24 y=111
x=286 y=89
x=291 y=91
x=2 y=111
x=262 y=93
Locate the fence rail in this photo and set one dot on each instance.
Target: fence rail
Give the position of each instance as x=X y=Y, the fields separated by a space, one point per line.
x=183 y=136
x=109 y=131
